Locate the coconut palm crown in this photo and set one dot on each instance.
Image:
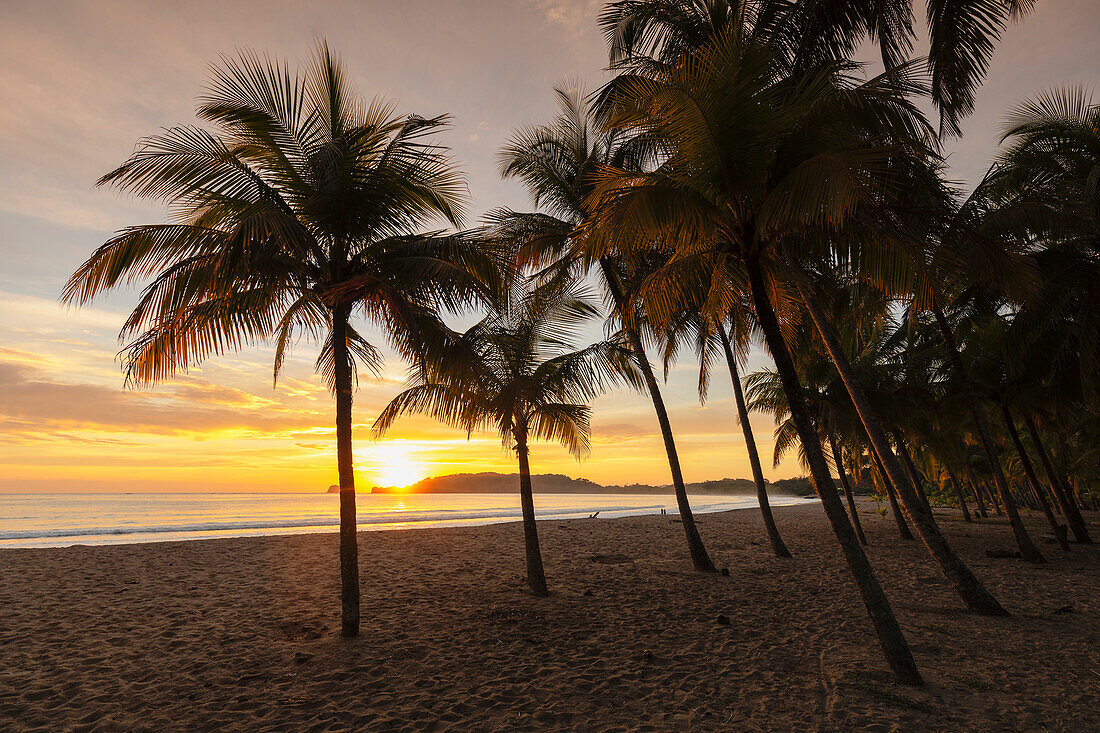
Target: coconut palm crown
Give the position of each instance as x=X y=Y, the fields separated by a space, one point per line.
x=303 y=208
x=962 y=35
x=516 y=372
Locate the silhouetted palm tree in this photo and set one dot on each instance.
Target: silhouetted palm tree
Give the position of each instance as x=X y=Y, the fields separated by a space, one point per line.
x=1046 y=195
x=558 y=164
x=714 y=342
x=303 y=209
x=755 y=161
x=646 y=36
x=515 y=372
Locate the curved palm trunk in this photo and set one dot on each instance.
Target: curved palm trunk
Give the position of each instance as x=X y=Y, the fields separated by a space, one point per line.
x=959 y=494
x=699 y=557
x=980 y=490
x=1038 y=498
x=847 y=492
x=971 y=590
x=536 y=578
x=1027 y=494
x=892 y=495
x=1065 y=503
x=1023 y=540
x=778 y=546
x=992 y=496
x=1071 y=491
x=979 y=500
x=911 y=469
x=1040 y=494
x=890 y=637
x=349 y=547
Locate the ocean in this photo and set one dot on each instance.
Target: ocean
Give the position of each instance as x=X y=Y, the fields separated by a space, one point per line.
x=61 y=520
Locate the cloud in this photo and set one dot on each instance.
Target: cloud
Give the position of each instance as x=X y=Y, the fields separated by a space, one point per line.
x=43 y=316
x=31 y=405
x=317 y=446
x=623 y=431
x=576 y=16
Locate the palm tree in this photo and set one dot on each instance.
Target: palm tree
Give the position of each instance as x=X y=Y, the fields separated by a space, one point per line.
x=965 y=386
x=303 y=209
x=515 y=372
x=558 y=164
x=1065 y=503
x=647 y=35
x=983 y=262
x=1045 y=195
x=962 y=35
x=966 y=584
x=863 y=312
x=838 y=461
x=1001 y=374
x=752 y=157
x=691 y=324
x=778 y=546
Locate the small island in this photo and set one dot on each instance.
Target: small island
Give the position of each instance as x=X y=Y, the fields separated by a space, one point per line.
x=490 y=482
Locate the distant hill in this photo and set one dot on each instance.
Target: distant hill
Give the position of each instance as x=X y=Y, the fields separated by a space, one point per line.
x=555 y=483
x=800 y=486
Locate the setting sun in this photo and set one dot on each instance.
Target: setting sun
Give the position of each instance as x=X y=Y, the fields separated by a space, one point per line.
x=393 y=464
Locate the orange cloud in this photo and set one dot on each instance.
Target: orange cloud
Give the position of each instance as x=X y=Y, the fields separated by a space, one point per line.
x=28 y=396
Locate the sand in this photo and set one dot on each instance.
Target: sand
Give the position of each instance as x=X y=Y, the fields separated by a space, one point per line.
x=240 y=634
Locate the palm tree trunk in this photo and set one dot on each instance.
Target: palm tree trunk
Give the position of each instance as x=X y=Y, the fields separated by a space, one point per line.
x=536 y=578
x=699 y=557
x=1023 y=496
x=890 y=637
x=891 y=494
x=778 y=547
x=1023 y=540
x=1040 y=495
x=973 y=594
x=1073 y=492
x=979 y=500
x=1065 y=502
x=911 y=469
x=959 y=494
x=847 y=492
x=980 y=489
x=349 y=547
x=992 y=496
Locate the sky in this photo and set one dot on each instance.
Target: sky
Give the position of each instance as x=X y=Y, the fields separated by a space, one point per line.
x=82 y=82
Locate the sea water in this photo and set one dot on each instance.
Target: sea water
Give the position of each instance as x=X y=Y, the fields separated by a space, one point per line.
x=60 y=520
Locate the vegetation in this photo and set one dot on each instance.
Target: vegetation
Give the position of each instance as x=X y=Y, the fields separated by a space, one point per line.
x=553 y=483
x=559 y=164
x=740 y=181
x=514 y=372
x=303 y=210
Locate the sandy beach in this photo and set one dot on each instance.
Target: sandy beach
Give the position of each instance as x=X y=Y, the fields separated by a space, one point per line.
x=240 y=634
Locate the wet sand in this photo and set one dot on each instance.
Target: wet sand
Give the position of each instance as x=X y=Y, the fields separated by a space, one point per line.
x=240 y=634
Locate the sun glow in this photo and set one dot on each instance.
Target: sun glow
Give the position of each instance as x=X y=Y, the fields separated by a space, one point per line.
x=394 y=463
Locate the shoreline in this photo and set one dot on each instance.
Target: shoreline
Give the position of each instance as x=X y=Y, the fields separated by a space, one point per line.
x=240 y=633
x=442 y=517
